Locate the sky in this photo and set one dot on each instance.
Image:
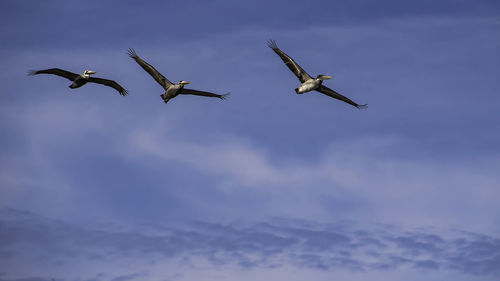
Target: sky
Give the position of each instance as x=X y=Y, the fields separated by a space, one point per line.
x=267 y=185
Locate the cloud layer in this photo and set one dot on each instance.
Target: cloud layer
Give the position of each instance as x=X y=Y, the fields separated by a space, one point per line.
x=273 y=244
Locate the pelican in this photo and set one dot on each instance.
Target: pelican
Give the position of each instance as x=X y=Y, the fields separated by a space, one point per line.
x=171 y=90
x=309 y=83
x=81 y=79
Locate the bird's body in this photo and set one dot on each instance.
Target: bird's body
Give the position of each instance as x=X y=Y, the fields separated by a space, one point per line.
x=171 y=90
x=309 y=83
x=78 y=83
x=81 y=79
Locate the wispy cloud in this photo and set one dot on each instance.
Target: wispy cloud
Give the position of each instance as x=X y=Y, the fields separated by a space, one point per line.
x=362 y=168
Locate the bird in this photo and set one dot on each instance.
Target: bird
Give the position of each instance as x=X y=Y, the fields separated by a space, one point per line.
x=309 y=83
x=171 y=90
x=80 y=79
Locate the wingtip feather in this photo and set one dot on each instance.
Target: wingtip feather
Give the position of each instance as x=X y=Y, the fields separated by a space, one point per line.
x=225 y=96
x=131 y=53
x=31 y=72
x=272 y=44
x=362 y=106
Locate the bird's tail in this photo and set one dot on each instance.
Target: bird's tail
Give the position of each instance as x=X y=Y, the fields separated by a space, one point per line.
x=164 y=98
x=224 y=96
x=362 y=106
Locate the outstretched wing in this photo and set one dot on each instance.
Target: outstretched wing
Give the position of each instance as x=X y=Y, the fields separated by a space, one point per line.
x=150 y=69
x=185 y=91
x=57 y=71
x=109 y=83
x=331 y=93
x=292 y=65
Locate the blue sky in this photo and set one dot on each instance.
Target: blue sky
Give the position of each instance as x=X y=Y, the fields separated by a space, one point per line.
x=267 y=185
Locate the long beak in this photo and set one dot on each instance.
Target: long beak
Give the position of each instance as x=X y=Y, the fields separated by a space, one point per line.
x=91 y=72
x=325 y=77
x=186 y=82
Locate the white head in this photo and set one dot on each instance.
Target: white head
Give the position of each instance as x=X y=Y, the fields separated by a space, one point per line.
x=323 y=77
x=87 y=73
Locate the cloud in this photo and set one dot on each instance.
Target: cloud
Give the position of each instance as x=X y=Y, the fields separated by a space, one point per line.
x=127 y=277
x=27 y=279
x=363 y=172
x=276 y=243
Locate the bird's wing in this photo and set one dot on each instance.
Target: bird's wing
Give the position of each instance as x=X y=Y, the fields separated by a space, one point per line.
x=150 y=69
x=185 y=91
x=109 y=83
x=57 y=71
x=292 y=65
x=331 y=93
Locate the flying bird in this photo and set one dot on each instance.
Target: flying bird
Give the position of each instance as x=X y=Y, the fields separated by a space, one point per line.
x=81 y=79
x=309 y=83
x=171 y=90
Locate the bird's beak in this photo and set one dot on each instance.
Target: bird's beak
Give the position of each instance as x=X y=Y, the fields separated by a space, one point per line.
x=186 y=82
x=91 y=72
x=325 y=77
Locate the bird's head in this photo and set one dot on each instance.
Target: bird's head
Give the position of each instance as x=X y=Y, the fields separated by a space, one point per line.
x=89 y=72
x=182 y=82
x=323 y=77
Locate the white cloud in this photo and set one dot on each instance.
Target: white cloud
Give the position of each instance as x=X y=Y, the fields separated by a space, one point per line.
x=418 y=190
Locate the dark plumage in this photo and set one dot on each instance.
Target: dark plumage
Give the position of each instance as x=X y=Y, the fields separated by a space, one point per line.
x=171 y=90
x=81 y=79
x=309 y=83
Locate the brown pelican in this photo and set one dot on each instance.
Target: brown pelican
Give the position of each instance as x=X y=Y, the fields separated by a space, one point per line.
x=171 y=90
x=309 y=83
x=81 y=79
